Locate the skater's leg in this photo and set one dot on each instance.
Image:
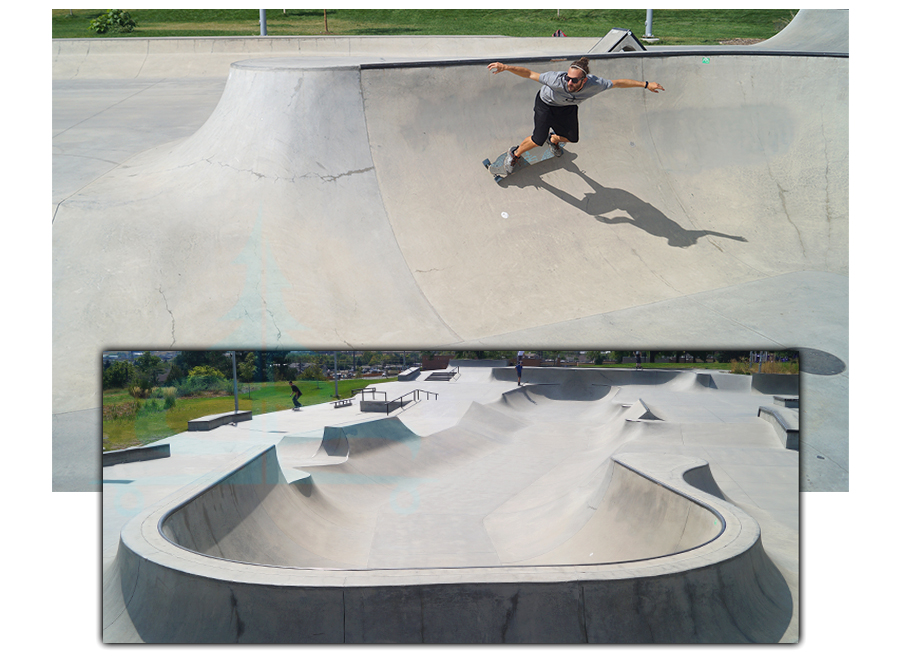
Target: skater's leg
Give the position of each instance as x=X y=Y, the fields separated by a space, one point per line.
x=525 y=145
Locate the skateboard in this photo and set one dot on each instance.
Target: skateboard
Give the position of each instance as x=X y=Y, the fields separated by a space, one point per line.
x=529 y=158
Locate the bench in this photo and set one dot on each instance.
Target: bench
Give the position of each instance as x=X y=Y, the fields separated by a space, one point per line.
x=342 y=402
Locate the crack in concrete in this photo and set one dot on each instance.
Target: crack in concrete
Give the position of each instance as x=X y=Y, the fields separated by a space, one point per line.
x=335 y=178
x=292 y=179
x=169 y=310
x=781 y=193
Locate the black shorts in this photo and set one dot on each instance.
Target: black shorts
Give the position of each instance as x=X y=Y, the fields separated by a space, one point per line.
x=563 y=120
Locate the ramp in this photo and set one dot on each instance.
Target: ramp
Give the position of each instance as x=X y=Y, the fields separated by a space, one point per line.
x=341 y=199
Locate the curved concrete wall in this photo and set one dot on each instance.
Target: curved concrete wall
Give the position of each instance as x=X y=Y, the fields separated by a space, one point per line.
x=726 y=590
x=255 y=516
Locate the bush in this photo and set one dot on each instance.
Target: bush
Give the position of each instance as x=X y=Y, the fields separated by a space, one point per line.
x=114 y=21
x=141 y=386
x=204 y=371
x=747 y=368
x=167 y=394
x=125 y=409
x=194 y=385
x=153 y=406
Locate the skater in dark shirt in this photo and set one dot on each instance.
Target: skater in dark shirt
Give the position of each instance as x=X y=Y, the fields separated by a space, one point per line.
x=296 y=392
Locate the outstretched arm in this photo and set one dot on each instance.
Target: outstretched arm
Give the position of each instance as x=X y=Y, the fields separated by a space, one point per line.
x=515 y=69
x=631 y=83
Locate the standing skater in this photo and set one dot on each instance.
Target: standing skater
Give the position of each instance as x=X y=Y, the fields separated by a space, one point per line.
x=295 y=391
x=556 y=103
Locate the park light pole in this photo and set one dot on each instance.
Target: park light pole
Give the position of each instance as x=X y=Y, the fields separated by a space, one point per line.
x=648 y=24
x=234 y=377
x=262 y=23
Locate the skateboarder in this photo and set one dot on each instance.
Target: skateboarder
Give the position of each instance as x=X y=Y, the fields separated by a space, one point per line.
x=295 y=391
x=556 y=103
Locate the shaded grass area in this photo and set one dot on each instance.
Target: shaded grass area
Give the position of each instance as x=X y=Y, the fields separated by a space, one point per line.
x=671 y=26
x=123 y=427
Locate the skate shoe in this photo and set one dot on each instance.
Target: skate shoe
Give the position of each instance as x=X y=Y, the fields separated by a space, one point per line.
x=556 y=149
x=511 y=160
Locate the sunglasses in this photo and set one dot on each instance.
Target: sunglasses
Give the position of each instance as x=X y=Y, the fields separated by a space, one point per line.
x=573 y=79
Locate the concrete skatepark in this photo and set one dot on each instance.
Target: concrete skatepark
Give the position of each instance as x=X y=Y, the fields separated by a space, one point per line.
x=284 y=192
x=587 y=505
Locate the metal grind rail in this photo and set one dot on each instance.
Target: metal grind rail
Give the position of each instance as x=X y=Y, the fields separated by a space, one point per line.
x=416 y=396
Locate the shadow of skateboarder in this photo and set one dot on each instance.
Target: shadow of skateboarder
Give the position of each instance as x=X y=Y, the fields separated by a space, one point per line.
x=602 y=202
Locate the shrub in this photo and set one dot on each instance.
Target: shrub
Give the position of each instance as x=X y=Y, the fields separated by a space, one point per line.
x=169 y=394
x=153 y=406
x=125 y=409
x=194 y=385
x=204 y=371
x=114 y=21
x=747 y=368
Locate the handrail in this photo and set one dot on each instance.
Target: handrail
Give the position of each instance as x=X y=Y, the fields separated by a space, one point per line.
x=373 y=391
x=416 y=395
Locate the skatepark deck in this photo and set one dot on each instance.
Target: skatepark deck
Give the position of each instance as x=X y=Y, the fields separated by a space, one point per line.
x=297 y=205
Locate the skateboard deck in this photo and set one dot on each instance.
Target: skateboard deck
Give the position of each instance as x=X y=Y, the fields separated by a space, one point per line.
x=529 y=158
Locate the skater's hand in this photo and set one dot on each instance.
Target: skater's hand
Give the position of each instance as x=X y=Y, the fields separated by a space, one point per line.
x=654 y=87
x=497 y=67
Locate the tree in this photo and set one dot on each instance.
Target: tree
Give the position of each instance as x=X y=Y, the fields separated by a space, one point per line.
x=150 y=365
x=188 y=359
x=175 y=374
x=312 y=372
x=247 y=368
x=118 y=375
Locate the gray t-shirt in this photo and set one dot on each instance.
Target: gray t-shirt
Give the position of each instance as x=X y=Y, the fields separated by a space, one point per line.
x=555 y=92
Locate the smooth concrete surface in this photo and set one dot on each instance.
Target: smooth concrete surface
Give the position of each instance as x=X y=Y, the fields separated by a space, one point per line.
x=308 y=210
x=632 y=506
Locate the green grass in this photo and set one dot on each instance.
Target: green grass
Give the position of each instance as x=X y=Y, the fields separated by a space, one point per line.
x=150 y=425
x=671 y=26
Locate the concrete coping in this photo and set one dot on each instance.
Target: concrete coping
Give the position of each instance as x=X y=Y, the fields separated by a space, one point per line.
x=789 y=421
x=409 y=374
x=136 y=454
x=786 y=422
x=792 y=401
x=143 y=537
